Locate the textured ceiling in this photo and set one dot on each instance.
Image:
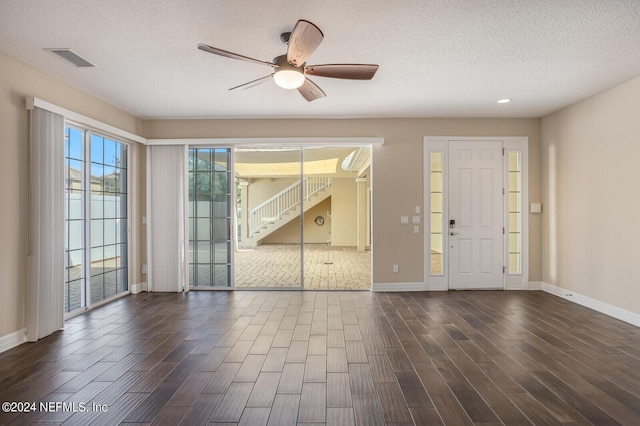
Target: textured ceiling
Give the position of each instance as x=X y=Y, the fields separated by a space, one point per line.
x=438 y=58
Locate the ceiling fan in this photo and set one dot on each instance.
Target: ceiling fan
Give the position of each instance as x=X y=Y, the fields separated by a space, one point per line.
x=290 y=70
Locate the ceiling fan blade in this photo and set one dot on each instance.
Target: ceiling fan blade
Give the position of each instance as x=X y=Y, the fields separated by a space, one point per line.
x=310 y=91
x=348 y=71
x=303 y=41
x=253 y=82
x=227 y=54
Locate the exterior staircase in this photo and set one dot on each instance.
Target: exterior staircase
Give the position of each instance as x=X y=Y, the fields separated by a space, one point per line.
x=283 y=207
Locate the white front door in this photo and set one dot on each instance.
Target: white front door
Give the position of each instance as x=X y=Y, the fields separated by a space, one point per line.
x=475 y=222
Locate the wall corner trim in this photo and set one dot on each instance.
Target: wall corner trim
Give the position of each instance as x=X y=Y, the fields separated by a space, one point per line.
x=602 y=307
x=138 y=288
x=12 y=340
x=535 y=285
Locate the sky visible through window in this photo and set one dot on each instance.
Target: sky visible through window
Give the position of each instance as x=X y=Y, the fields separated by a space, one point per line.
x=104 y=151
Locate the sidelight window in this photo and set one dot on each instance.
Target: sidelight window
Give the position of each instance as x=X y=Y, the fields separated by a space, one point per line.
x=514 y=226
x=436 y=212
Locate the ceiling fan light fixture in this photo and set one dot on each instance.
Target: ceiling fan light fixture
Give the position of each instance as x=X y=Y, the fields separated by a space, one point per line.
x=289 y=79
x=290 y=69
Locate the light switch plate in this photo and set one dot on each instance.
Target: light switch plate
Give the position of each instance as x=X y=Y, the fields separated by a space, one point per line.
x=404 y=220
x=416 y=220
x=535 y=208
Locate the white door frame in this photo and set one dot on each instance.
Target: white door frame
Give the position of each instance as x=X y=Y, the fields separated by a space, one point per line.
x=440 y=144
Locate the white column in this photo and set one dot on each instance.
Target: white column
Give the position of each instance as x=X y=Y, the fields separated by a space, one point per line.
x=361 y=204
x=244 y=202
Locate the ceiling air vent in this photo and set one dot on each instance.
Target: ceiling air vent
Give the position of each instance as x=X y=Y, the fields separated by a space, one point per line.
x=72 y=57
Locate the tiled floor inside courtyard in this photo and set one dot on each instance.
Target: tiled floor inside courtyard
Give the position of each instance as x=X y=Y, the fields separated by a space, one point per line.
x=325 y=267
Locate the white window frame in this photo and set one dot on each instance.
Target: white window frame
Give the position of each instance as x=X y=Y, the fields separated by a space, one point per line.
x=87 y=132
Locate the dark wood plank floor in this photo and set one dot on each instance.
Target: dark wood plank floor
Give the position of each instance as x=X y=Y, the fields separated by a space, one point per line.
x=342 y=358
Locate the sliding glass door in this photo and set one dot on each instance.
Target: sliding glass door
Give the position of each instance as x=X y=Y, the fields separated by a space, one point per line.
x=303 y=216
x=209 y=218
x=336 y=181
x=96 y=219
x=269 y=239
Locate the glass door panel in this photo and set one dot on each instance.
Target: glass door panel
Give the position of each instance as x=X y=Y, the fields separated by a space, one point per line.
x=74 y=283
x=209 y=219
x=96 y=241
x=268 y=233
x=108 y=225
x=336 y=183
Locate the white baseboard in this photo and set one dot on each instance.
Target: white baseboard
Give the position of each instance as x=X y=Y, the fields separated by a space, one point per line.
x=437 y=286
x=399 y=287
x=137 y=288
x=12 y=340
x=429 y=287
x=602 y=307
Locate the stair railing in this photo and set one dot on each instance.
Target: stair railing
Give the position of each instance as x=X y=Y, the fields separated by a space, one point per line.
x=288 y=199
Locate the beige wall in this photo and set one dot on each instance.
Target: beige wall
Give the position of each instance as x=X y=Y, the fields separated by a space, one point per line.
x=396 y=171
x=590 y=178
x=344 y=215
x=17 y=81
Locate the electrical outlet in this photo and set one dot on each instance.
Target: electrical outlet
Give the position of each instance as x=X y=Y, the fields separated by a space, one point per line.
x=143 y=270
x=395 y=268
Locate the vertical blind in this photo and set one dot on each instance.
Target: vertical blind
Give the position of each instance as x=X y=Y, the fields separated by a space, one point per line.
x=45 y=286
x=166 y=218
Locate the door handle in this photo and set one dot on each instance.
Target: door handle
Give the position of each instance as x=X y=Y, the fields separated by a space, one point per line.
x=453 y=233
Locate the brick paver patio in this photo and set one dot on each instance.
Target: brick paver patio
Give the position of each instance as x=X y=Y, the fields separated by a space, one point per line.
x=325 y=267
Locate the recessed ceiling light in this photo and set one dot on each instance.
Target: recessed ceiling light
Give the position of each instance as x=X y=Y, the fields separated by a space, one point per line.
x=504 y=101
